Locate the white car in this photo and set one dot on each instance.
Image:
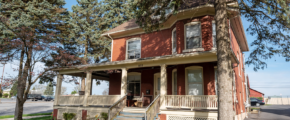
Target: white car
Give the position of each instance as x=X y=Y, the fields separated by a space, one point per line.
x=13 y=98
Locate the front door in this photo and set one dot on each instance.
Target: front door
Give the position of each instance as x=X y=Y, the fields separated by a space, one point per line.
x=156 y=84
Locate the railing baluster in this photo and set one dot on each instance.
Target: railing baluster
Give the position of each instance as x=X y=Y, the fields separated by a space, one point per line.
x=192 y=101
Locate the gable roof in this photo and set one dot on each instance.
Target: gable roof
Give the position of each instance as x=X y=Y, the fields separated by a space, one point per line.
x=257 y=91
x=131 y=24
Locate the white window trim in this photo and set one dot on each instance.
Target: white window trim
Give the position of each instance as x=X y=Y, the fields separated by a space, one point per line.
x=133 y=39
x=135 y=73
x=194 y=49
x=216 y=81
x=172 y=40
x=186 y=79
x=213 y=47
x=174 y=70
x=156 y=75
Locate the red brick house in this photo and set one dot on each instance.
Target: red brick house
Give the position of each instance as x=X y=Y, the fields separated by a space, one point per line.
x=256 y=94
x=172 y=72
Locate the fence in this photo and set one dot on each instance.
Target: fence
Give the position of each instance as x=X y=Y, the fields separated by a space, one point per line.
x=277 y=101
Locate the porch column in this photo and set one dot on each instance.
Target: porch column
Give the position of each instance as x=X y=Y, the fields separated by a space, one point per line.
x=88 y=87
x=58 y=88
x=124 y=82
x=83 y=85
x=163 y=85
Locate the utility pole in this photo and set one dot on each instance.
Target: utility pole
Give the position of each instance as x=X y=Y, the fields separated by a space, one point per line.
x=2 y=77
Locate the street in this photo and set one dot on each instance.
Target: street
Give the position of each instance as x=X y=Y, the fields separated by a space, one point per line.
x=7 y=107
x=272 y=112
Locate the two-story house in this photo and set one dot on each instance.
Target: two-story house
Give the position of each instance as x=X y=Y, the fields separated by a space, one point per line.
x=168 y=74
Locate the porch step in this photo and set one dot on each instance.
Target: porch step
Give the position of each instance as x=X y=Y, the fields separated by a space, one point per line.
x=132 y=115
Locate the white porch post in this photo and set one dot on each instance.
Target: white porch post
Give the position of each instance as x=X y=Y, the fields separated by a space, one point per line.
x=88 y=87
x=58 y=88
x=124 y=82
x=163 y=85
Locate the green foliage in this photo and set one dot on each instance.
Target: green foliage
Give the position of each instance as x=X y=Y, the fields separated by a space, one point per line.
x=74 y=92
x=0 y=94
x=14 y=89
x=89 y=20
x=5 y=95
x=49 y=89
x=260 y=98
x=104 y=115
x=68 y=116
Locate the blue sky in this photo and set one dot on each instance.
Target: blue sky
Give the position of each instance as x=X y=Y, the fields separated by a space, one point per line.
x=274 y=80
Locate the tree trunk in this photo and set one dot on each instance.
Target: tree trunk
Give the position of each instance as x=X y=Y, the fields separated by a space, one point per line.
x=19 y=78
x=22 y=85
x=224 y=76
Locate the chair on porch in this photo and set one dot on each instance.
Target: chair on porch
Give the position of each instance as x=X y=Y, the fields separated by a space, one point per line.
x=139 y=102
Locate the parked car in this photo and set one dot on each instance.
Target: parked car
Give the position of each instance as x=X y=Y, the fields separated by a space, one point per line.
x=13 y=98
x=48 y=98
x=256 y=102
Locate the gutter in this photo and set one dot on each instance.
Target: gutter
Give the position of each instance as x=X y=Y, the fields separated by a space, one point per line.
x=111 y=46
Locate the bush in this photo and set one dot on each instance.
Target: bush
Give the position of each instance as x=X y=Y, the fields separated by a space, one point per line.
x=104 y=115
x=0 y=95
x=68 y=116
x=5 y=95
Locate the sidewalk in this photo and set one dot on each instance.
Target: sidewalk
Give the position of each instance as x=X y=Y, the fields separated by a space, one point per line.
x=28 y=117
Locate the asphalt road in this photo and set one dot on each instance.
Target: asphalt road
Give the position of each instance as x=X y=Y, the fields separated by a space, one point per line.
x=272 y=112
x=7 y=107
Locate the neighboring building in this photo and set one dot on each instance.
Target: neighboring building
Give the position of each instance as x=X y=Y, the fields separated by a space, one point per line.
x=174 y=69
x=7 y=91
x=255 y=93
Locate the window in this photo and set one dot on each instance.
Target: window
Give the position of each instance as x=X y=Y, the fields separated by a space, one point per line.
x=174 y=82
x=215 y=81
x=134 y=80
x=174 y=44
x=134 y=48
x=194 y=80
x=214 y=34
x=192 y=35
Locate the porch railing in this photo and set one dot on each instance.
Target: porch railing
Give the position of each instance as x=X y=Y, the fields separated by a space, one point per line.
x=191 y=101
x=103 y=100
x=71 y=100
x=117 y=107
x=153 y=109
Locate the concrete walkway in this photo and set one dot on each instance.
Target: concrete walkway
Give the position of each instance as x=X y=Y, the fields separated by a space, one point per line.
x=28 y=117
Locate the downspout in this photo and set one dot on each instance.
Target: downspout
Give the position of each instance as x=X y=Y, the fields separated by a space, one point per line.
x=111 y=46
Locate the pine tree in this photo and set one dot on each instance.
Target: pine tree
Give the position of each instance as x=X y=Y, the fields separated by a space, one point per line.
x=91 y=18
x=30 y=32
x=270 y=24
x=49 y=89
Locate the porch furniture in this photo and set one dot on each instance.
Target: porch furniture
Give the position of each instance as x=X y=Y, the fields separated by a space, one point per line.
x=139 y=102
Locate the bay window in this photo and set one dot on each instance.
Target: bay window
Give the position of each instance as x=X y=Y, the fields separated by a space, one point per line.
x=193 y=37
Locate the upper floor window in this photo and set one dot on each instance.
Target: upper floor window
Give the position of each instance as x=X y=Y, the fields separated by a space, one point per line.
x=174 y=44
x=213 y=34
x=193 y=35
x=133 y=48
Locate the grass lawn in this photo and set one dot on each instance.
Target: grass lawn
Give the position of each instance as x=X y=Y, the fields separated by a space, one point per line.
x=41 y=118
x=36 y=114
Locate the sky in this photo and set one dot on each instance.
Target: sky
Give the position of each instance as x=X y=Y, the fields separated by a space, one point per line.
x=273 y=80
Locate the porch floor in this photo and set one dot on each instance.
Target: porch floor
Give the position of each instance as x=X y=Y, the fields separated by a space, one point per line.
x=135 y=109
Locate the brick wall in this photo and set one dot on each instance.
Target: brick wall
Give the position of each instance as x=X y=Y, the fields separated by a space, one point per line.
x=160 y=43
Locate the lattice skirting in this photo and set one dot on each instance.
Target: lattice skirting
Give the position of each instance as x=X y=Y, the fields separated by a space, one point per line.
x=173 y=117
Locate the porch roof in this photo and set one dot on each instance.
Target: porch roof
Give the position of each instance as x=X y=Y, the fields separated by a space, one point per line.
x=196 y=57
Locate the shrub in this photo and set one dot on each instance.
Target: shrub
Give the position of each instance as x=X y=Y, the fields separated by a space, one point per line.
x=104 y=115
x=68 y=116
x=0 y=94
x=5 y=95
